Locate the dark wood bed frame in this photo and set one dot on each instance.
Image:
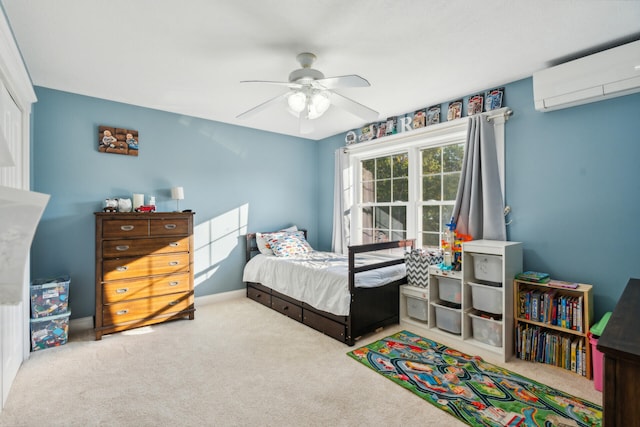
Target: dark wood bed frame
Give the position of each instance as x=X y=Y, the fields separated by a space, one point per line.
x=370 y=308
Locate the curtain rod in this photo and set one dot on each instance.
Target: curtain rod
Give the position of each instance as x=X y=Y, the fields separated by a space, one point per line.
x=504 y=114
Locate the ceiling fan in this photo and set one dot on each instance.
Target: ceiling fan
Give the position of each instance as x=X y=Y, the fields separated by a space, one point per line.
x=310 y=94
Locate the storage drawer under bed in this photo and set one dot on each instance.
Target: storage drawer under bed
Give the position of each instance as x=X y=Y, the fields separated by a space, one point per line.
x=287 y=308
x=259 y=293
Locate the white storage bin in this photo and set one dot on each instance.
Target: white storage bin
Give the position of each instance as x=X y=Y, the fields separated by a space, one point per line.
x=486 y=330
x=486 y=298
x=448 y=319
x=449 y=289
x=418 y=308
x=487 y=267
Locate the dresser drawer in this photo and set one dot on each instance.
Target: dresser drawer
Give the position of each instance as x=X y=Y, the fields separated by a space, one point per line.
x=135 y=247
x=259 y=295
x=127 y=268
x=113 y=292
x=125 y=228
x=146 y=308
x=168 y=227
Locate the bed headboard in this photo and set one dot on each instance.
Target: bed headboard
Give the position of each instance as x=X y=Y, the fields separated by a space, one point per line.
x=252 y=247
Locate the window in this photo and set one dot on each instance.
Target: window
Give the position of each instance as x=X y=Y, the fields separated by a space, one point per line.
x=405 y=185
x=440 y=175
x=385 y=193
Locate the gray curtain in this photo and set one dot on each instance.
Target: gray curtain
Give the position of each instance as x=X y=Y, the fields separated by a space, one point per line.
x=341 y=204
x=479 y=208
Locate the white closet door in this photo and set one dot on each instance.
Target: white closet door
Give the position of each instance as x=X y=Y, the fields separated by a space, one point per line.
x=13 y=327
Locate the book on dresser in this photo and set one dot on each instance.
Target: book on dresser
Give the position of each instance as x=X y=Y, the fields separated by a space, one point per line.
x=552 y=324
x=144 y=269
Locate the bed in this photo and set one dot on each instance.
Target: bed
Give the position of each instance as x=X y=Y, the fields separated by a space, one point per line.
x=343 y=297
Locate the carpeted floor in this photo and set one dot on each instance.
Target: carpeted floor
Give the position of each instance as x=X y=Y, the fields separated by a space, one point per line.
x=237 y=364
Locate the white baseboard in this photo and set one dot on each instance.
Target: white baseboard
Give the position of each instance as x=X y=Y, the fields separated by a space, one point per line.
x=86 y=323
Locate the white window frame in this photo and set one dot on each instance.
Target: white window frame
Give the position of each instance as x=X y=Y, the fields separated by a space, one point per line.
x=412 y=142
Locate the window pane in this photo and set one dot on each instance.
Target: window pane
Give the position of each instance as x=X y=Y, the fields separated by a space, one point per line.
x=368 y=170
x=383 y=167
x=367 y=236
x=401 y=190
x=383 y=191
x=367 y=217
x=447 y=210
x=382 y=217
x=431 y=189
x=399 y=217
x=431 y=218
x=431 y=161
x=400 y=165
x=382 y=236
x=452 y=157
x=450 y=185
x=368 y=188
x=431 y=240
x=398 y=235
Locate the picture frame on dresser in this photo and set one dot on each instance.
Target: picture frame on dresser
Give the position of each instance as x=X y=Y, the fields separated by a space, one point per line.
x=144 y=269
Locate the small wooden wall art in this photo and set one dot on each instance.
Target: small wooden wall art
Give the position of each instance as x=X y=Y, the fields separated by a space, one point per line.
x=118 y=141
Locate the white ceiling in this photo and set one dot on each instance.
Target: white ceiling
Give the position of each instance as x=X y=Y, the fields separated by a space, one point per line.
x=189 y=56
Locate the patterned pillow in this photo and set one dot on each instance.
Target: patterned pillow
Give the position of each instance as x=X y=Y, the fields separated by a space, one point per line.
x=288 y=244
x=263 y=245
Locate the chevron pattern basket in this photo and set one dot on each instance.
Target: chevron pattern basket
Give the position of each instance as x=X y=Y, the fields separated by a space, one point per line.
x=418 y=262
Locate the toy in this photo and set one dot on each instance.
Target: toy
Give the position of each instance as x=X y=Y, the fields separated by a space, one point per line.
x=145 y=208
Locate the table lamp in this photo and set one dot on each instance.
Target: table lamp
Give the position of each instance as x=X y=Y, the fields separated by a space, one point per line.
x=177 y=194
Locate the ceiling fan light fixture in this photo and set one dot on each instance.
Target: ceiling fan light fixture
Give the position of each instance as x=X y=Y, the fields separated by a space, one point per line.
x=297 y=101
x=321 y=101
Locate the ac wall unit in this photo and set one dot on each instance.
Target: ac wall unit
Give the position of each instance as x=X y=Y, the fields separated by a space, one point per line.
x=606 y=74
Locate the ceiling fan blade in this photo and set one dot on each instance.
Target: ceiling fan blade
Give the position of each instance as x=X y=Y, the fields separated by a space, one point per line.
x=354 y=107
x=351 y=80
x=262 y=106
x=287 y=84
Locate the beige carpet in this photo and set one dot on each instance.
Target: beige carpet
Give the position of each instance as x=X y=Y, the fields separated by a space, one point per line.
x=237 y=364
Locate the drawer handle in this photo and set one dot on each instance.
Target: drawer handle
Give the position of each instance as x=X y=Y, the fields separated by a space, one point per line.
x=122 y=290
x=172 y=263
x=169 y=226
x=174 y=244
x=122 y=247
x=174 y=302
x=121 y=312
x=122 y=268
x=127 y=227
x=285 y=308
x=174 y=283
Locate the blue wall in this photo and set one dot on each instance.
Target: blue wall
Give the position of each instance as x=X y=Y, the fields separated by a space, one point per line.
x=235 y=179
x=571 y=176
x=573 y=183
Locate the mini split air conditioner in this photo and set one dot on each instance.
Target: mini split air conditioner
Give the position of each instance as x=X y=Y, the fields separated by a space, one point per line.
x=606 y=74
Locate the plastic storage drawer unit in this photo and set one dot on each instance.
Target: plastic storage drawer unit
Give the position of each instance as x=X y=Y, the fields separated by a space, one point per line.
x=449 y=289
x=486 y=298
x=49 y=331
x=487 y=267
x=448 y=319
x=49 y=296
x=417 y=308
x=486 y=330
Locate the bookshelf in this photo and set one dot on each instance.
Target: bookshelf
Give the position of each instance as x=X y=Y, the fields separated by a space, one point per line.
x=553 y=327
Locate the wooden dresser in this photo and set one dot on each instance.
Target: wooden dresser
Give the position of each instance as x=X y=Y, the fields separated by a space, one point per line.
x=144 y=269
x=620 y=344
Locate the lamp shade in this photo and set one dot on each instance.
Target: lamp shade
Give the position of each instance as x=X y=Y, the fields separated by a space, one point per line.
x=177 y=193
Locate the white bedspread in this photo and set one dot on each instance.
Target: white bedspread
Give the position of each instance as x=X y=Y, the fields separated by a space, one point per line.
x=319 y=278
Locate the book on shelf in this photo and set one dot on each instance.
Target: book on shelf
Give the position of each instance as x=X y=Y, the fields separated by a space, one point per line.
x=562 y=284
x=533 y=276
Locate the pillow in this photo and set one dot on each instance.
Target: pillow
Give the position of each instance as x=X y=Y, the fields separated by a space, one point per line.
x=288 y=244
x=263 y=245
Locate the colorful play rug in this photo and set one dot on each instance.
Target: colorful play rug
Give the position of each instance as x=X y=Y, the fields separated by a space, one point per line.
x=476 y=392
